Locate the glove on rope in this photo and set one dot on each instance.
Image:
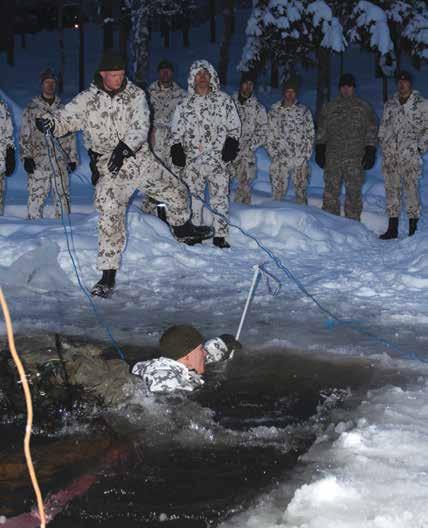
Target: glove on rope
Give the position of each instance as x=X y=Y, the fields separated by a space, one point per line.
x=369 y=157
x=95 y=174
x=230 y=149
x=29 y=165
x=119 y=154
x=178 y=155
x=320 y=151
x=45 y=124
x=10 y=160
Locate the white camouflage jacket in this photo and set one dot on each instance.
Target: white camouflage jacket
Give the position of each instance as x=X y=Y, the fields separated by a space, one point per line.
x=6 y=134
x=404 y=128
x=202 y=123
x=106 y=120
x=254 y=125
x=32 y=142
x=164 y=101
x=291 y=133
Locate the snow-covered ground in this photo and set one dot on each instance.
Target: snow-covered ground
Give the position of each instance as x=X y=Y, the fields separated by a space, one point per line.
x=371 y=471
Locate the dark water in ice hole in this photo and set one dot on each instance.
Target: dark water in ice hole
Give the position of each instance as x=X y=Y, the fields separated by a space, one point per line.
x=194 y=461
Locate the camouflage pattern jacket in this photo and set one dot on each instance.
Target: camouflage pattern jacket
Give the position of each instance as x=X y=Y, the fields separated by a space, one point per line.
x=290 y=133
x=347 y=125
x=164 y=375
x=202 y=123
x=254 y=125
x=106 y=120
x=404 y=127
x=6 y=134
x=32 y=142
x=164 y=101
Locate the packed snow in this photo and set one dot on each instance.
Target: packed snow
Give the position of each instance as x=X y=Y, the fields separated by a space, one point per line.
x=369 y=469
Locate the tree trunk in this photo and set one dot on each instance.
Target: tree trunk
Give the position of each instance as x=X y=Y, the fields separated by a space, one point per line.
x=124 y=29
x=81 y=49
x=165 y=31
x=23 y=40
x=323 y=81
x=186 y=33
x=61 y=46
x=139 y=39
x=212 y=21
x=274 y=74
x=385 y=88
x=225 y=41
x=8 y=11
x=107 y=14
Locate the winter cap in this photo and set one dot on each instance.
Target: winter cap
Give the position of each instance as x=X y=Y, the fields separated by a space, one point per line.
x=165 y=64
x=178 y=340
x=47 y=74
x=292 y=83
x=347 y=79
x=112 y=61
x=248 y=76
x=404 y=75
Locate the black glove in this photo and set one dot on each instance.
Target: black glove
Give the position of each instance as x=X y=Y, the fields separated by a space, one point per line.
x=44 y=124
x=10 y=160
x=369 y=157
x=119 y=155
x=320 y=150
x=231 y=343
x=178 y=155
x=93 y=158
x=29 y=165
x=71 y=166
x=230 y=149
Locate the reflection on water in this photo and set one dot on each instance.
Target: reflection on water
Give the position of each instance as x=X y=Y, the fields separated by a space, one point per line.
x=192 y=461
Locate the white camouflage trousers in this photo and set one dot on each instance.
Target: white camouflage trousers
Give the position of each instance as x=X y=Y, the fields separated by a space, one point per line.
x=402 y=173
x=40 y=184
x=279 y=177
x=214 y=175
x=244 y=170
x=112 y=195
x=2 y=192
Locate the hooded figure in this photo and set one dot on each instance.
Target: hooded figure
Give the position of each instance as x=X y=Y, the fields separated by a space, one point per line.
x=205 y=130
x=7 y=149
x=254 y=129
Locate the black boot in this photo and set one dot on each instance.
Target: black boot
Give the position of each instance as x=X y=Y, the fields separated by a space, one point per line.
x=161 y=210
x=191 y=234
x=392 y=231
x=104 y=287
x=413 y=224
x=221 y=242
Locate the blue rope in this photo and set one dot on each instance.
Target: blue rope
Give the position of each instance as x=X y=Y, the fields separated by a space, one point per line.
x=80 y=283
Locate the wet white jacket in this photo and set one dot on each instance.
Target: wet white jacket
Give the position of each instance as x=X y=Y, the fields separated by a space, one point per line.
x=6 y=134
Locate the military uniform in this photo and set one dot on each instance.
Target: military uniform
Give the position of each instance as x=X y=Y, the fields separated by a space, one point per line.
x=43 y=179
x=105 y=120
x=290 y=142
x=6 y=140
x=347 y=126
x=254 y=127
x=164 y=101
x=201 y=125
x=403 y=137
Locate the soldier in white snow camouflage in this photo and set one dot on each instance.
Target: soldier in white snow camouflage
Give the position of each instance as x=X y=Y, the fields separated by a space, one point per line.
x=34 y=153
x=115 y=118
x=403 y=137
x=164 y=97
x=7 y=150
x=184 y=355
x=254 y=128
x=205 y=138
x=290 y=143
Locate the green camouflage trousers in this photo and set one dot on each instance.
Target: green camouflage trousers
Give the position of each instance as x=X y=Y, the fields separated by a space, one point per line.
x=279 y=176
x=349 y=172
x=215 y=176
x=2 y=193
x=112 y=195
x=40 y=184
x=402 y=173
x=244 y=170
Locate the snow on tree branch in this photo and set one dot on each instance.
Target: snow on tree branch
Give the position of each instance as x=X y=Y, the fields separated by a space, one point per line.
x=371 y=20
x=331 y=28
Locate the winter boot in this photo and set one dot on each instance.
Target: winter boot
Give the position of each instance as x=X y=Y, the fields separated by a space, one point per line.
x=191 y=234
x=413 y=224
x=221 y=242
x=104 y=287
x=392 y=231
x=161 y=211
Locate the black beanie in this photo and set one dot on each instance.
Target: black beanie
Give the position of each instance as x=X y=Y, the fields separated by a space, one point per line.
x=112 y=61
x=164 y=63
x=347 y=79
x=177 y=341
x=248 y=76
x=47 y=74
x=292 y=83
x=404 y=75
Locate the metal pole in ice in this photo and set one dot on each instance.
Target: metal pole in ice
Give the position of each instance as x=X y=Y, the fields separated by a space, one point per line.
x=247 y=304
